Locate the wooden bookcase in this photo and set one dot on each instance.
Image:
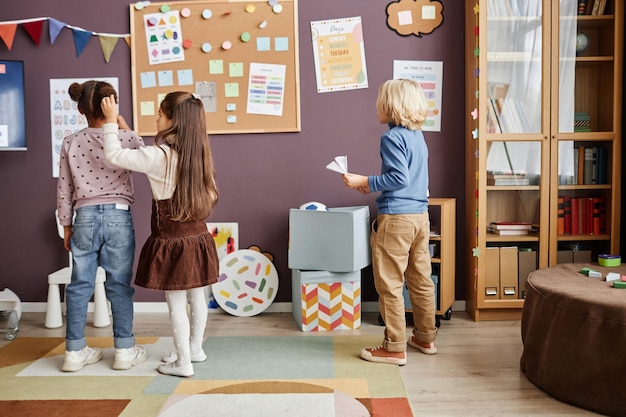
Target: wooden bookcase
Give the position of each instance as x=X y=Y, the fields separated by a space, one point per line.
x=543 y=82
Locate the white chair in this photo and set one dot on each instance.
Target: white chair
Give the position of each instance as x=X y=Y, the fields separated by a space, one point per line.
x=54 y=310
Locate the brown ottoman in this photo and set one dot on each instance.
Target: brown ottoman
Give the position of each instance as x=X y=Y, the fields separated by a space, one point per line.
x=574 y=336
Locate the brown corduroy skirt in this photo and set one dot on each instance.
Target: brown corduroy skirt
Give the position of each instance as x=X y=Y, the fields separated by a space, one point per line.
x=177 y=255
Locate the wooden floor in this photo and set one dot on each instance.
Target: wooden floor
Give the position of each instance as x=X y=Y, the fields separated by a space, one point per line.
x=475 y=373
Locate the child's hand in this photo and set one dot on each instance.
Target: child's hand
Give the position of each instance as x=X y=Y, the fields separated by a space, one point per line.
x=109 y=109
x=121 y=122
x=357 y=182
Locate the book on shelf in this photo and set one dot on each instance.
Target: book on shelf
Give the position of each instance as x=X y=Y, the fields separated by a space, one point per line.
x=567 y=214
x=560 y=216
x=587 y=216
x=589 y=162
x=508 y=181
x=582 y=6
x=504 y=225
x=509 y=232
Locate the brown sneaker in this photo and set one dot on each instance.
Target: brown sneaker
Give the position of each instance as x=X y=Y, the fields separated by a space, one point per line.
x=424 y=347
x=381 y=355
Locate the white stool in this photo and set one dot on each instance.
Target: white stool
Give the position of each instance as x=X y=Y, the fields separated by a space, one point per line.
x=54 y=316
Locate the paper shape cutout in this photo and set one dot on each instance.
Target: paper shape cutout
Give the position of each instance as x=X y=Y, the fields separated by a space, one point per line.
x=339 y=164
x=425 y=16
x=235 y=69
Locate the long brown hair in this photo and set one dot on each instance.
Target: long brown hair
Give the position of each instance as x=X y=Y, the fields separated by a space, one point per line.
x=196 y=192
x=89 y=97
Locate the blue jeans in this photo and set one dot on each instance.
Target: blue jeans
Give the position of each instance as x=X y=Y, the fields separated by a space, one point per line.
x=102 y=235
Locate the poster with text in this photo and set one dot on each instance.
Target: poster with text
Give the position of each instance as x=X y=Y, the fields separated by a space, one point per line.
x=430 y=76
x=65 y=118
x=339 y=54
x=164 y=37
x=266 y=89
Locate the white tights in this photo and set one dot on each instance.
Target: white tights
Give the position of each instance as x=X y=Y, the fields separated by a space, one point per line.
x=188 y=331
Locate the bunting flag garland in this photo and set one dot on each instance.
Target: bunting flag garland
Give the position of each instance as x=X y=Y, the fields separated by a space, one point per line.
x=7 y=34
x=81 y=38
x=34 y=28
x=107 y=44
x=54 y=28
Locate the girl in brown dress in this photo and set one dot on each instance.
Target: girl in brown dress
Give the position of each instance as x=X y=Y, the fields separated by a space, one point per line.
x=179 y=257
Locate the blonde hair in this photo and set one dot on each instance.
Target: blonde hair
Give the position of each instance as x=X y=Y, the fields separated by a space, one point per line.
x=196 y=192
x=404 y=102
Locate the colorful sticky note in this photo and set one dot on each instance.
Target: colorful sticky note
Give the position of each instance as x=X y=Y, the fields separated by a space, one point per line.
x=166 y=78
x=235 y=69
x=148 y=79
x=263 y=44
x=185 y=77
x=281 y=44
x=231 y=118
x=231 y=90
x=146 y=108
x=216 y=66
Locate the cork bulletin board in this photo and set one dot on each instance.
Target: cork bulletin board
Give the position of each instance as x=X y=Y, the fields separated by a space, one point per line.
x=239 y=56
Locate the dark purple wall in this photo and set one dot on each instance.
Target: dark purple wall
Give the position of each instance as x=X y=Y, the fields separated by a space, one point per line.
x=261 y=176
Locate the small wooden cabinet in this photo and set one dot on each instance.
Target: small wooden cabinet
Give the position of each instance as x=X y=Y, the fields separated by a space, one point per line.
x=544 y=109
x=442 y=213
x=443 y=237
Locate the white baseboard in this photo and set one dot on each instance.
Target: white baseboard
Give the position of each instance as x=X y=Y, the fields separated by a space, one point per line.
x=278 y=307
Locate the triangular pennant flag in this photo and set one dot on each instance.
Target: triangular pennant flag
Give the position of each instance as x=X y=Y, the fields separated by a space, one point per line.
x=7 y=34
x=54 y=28
x=34 y=30
x=107 y=43
x=127 y=39
x=81 y=37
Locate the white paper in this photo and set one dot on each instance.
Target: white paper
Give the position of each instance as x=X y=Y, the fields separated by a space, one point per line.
x=339 y=164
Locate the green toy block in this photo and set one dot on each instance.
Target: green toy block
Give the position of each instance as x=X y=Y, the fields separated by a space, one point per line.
x=619 y=284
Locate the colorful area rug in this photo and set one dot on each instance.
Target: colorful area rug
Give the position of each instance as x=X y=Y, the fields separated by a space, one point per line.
x=304 y=376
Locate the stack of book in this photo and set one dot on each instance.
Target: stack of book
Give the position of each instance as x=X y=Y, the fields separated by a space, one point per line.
x=591 y=7
x=506 y=178
x=503 y=228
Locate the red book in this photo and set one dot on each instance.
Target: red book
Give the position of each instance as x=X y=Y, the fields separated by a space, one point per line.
x=567 y=209
x=596 y=216
x=602 y=215
x=575 y=216
x=589 y=217
x=585 y=216
x=560 y=216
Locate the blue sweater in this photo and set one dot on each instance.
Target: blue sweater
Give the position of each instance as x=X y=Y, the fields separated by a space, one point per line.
x=403 y=181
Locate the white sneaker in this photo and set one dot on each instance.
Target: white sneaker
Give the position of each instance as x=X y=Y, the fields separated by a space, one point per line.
x=75 y=360
x=173 y=357
x=127 y=358
x=176 y=370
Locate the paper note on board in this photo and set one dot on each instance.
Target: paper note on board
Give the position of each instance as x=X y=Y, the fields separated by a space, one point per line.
x=339 y=164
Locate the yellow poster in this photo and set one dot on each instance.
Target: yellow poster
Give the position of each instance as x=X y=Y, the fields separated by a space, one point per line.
x=339 y=54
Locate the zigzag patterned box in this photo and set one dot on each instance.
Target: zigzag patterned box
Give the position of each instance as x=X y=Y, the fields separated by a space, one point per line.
x=324 y=300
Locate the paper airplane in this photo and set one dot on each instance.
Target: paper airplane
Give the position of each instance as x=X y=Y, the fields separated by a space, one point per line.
x=339 y=164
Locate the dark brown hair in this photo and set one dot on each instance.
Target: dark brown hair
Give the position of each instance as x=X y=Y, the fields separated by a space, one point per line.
x=89 y=95
x=196 y=192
